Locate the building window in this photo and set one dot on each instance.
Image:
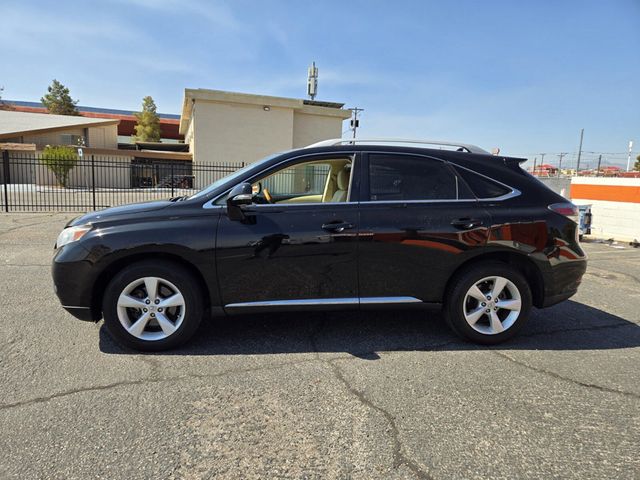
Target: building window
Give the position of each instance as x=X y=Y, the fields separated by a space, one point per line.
x=68 y=139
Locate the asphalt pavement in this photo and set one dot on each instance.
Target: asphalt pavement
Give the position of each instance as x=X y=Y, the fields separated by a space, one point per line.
x=341 y=395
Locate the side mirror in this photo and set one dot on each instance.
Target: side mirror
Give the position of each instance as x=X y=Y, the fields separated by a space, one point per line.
x=239 y=195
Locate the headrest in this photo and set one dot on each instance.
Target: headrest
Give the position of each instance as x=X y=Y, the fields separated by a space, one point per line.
x=343 y=179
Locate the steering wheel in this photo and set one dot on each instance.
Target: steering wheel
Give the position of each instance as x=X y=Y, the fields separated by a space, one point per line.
x=267 y=195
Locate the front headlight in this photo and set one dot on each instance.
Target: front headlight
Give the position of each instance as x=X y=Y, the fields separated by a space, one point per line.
x=71 y=234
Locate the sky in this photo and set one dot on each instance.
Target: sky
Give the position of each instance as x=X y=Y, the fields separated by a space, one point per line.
x=522 y=76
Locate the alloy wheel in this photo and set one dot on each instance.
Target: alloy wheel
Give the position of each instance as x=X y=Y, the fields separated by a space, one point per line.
x=492 y=305
x=151 y=308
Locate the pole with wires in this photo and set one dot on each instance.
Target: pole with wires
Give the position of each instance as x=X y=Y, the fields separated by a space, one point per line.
x=560 y=155
x=579 y=152
x=355 y=123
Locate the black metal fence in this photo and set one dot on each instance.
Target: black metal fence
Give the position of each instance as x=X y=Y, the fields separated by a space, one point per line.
x=33 y=183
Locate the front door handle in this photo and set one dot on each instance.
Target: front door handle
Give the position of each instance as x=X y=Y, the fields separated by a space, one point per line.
x=466 y=223
x=337 y=227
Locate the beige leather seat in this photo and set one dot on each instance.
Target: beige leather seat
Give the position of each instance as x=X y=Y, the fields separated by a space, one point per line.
x=342 y=184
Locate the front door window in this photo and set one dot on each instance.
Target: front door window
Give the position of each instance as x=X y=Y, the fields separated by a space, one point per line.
x=324 y=181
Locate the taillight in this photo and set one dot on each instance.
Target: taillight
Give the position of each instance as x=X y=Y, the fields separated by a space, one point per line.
x=567 y=209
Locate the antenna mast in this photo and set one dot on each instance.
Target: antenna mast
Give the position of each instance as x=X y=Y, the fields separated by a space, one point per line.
x=312 y=81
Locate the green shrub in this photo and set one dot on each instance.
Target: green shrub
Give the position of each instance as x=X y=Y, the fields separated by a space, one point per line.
x=60 y=160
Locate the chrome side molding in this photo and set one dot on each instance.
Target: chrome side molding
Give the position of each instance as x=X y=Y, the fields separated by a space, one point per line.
x=325 y=301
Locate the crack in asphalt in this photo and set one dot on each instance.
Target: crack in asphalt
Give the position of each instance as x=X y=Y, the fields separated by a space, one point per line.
x=632 y=277
x=625 y=323
x=154 y=378
x=566 y=379
x=25 y=265
x=26 y=225
x=399 y=457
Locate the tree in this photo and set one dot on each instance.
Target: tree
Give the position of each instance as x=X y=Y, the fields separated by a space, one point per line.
x=3 y=104
x=148 y=126
x=60 y=159
x=636 y=167
x=58 y=100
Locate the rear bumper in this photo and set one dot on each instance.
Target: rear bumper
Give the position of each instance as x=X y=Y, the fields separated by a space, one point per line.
x=562 y=281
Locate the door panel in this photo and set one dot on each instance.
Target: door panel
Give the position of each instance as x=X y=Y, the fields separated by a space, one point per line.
x=287 y=255
x=418 y=223
x=411 y=249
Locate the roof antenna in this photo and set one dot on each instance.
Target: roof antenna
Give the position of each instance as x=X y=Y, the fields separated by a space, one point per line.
x=312 y=81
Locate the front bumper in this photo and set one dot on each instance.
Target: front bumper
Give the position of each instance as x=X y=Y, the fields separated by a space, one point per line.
x=73 y=281
x=83 y=313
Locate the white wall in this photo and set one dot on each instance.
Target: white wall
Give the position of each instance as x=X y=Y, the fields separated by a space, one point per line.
x=619 y=220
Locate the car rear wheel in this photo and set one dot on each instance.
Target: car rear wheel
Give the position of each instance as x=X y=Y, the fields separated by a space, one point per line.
x=488 y=303
x=152 y=306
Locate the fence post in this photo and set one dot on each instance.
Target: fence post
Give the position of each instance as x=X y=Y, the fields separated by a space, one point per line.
x=93 y=180
x=172 y=179
x=6 y=173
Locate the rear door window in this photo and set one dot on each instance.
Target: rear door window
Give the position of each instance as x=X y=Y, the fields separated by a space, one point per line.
x=406 y=177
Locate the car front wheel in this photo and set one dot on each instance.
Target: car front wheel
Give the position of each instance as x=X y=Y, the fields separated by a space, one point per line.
x=152 y=306
x=488 y=303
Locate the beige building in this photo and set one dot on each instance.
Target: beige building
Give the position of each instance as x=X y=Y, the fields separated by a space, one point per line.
x=238 y=127
x=44 y=129
x=25 y=134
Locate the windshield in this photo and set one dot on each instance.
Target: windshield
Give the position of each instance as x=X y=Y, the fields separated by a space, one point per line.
x=232 y=176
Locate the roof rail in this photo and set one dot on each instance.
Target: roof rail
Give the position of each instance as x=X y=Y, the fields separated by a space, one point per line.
x=333 y=142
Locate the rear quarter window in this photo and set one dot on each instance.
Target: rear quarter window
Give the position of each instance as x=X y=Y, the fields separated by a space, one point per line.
x=481 y=186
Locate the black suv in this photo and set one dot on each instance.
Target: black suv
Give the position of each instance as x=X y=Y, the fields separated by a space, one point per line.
x=338 y=225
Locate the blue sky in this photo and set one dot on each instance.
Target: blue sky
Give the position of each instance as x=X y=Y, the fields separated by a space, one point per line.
x=525 y=76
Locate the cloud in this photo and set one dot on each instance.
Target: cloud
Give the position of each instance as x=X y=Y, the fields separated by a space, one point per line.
x=217 y=13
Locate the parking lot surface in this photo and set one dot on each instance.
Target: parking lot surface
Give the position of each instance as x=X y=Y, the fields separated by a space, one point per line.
x=341 y=395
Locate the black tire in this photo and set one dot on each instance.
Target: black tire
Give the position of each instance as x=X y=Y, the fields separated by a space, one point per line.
x=465 y=280
x=167 y=271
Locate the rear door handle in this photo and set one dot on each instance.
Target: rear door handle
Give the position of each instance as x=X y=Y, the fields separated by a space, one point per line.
x=466 y=223
x=337 y=227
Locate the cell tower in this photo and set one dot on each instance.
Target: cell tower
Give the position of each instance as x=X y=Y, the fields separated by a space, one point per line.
x=312 y=81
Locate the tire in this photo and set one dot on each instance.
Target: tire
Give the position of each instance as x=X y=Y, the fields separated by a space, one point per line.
x=464 y=302
x=173 y=313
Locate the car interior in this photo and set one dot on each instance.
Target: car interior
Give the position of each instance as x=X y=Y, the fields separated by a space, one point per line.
x=323 y=181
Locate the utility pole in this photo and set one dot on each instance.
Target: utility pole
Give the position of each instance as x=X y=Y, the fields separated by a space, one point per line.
x=355 y=123
x=560 y=162
x=579 y=152
x=598 y=169
x=629 y=155
x=534 y=165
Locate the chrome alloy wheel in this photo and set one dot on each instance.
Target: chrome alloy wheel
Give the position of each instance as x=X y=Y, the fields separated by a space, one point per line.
x=492 y=305
x=151 y=308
